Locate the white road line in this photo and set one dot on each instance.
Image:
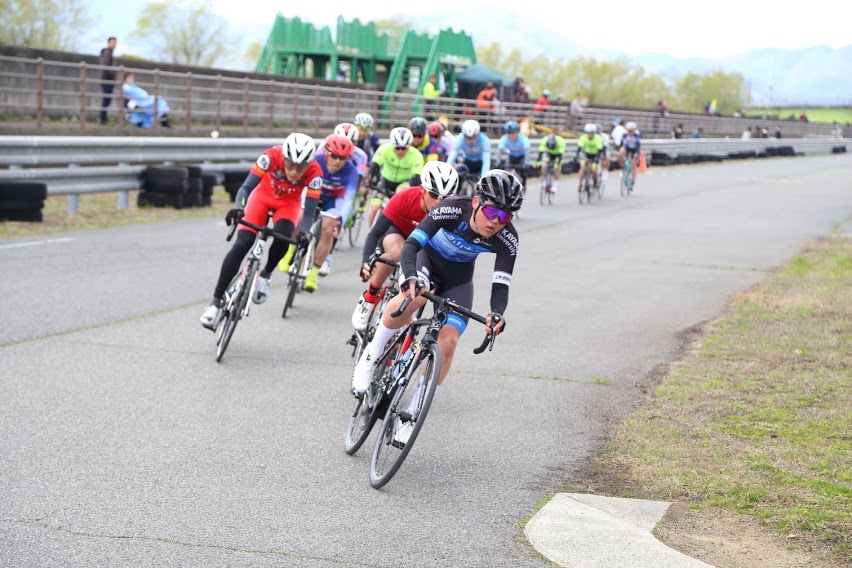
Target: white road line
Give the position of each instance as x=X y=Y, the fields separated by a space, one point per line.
x=36 y=243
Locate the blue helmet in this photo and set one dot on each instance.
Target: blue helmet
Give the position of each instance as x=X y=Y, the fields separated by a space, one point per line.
x=511 y=126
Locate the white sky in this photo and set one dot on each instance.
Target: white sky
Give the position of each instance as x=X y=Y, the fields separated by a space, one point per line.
x=712 y=30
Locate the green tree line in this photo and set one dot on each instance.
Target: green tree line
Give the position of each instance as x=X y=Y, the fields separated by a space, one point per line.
x=187 y=32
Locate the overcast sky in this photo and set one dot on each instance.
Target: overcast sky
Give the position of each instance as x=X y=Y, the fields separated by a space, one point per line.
x=711 y=29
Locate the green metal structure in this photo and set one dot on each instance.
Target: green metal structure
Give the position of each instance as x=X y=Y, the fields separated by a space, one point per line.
x=396 y=58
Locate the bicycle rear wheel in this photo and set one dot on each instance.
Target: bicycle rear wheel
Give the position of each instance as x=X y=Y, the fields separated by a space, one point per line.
x=407 y=412
x=625 y=178
x=234 y=308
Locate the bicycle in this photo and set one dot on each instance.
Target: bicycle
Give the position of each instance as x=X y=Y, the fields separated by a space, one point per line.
x=586 y=184
x=627 y=177
x=394 y=394
x=355 y=221
x=303 y=261
x=546 y=194
x=390 y=288
x=236 y=303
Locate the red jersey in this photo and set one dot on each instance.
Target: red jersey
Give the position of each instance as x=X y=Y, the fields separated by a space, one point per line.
x=269 y=167
x=403 y=209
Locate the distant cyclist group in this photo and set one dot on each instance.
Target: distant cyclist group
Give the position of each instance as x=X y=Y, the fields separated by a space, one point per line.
x=424 y=238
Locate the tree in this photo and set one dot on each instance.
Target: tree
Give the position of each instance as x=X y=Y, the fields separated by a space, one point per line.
x=44 y=24
x=184 y=32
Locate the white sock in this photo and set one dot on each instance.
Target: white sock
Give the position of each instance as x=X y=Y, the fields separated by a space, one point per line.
x=412 y=405
x=380 y=339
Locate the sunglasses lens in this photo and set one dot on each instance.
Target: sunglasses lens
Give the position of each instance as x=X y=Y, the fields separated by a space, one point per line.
x=402 y=147
x=435 y=195
x=492 y=213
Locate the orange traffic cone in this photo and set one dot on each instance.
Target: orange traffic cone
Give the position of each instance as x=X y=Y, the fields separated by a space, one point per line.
x=643 y=165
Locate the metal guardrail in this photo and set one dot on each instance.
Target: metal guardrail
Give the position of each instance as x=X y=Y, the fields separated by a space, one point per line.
x=105 y=164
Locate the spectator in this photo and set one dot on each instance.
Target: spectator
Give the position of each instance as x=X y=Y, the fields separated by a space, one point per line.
x=803 y=117
x=486 y=104
x=677 y=131
x=560 y=100
x=838 y=130
x=778 y=131
x=107 y=76
x=698 y=132
x=141 y=104
x=430 y=96
x=746 y=133
x=541 y=105
x=764 y=133
x=520 y=95
x=662 y=108
x=577 y=108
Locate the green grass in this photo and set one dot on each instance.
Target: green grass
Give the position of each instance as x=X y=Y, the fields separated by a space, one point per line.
x=758 y=418
x=827 y=115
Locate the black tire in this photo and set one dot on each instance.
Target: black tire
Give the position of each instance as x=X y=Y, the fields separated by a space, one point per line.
x=294 y=281
x=29 y=215
x=234 y=310
x=192 y=197
x=166 y=179
x=157 y=199
x=23 y=191
x=387 y=456
x=21 y=204
x=208 y=182
x=194 y=171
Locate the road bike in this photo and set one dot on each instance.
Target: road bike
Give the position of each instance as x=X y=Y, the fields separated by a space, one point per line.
x=586 y=186
x=627 y=176
x=356 y=218
x=403 y=387
x=236 y=304
x=361 y=337
x=546 y=193
x=303 y=261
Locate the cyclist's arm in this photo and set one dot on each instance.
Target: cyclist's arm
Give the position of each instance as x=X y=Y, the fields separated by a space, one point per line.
x=454 y=153
x=371 y=241
x=504 y=264
x=245 y=190
x=312 y=196
x=486 y=154
x=344 y=202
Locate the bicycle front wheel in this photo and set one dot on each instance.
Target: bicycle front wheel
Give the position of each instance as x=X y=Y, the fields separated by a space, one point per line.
x=234 y=308
x=293 y=281
x=355 y=227
x=405 y=415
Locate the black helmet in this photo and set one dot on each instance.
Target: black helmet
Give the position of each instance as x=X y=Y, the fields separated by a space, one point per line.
x=501 y=188
x=551 y=141
x=418 y=126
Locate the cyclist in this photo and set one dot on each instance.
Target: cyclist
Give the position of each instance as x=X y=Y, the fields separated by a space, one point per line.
x=516 y=145
x=368 y=140
x=359 y=157
x=590 y=149
x=421 y=140
x=339 y=183
x=550 y=149
x=605 y=160
x=438 y=132
x=280 y=174
x=395 y=223
x=394 y=163
x=474 y=146
x=630 y=146
x=443 y=248
x=617 y=133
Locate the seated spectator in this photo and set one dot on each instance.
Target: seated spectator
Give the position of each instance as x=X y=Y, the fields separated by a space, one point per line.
x=677 y=131
x=746 y=133
x=698 y=132
x=141 y=105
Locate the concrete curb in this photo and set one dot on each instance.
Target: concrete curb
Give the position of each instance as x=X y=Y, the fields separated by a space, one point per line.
x=578 y=530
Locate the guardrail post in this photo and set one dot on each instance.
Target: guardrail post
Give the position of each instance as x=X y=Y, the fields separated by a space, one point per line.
x=124 y=194
x=39 y=91
x=73 y=198
x=82 y=94
x=156 y=110
x=188 y=100
x=219 y=102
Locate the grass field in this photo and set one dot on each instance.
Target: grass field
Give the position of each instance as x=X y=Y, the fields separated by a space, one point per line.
x=757 y=419
x=828 y=115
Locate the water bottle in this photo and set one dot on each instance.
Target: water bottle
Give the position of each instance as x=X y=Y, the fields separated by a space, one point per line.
x=402 y=363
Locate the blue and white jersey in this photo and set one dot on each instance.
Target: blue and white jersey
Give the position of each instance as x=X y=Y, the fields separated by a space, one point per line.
x=516 y=149
x=631 y=142
x=479 y=151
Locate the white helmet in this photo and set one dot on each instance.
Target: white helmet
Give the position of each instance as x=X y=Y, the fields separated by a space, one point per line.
x=401 y=136
x=299 y=148
x=364 y=120
x=347 y=129
x=546 y=93
x=630 y=126
x=470 y=128
x=590 y=128
x=439 y=177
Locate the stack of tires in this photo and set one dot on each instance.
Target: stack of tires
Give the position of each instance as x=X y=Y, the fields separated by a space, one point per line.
x=22 y=201
x=233 y=181
x=176 y=186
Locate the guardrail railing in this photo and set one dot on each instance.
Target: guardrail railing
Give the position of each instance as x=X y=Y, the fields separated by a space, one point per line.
x=103 y=164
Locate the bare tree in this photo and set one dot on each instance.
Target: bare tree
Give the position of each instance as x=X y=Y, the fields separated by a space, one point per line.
x=45 y=24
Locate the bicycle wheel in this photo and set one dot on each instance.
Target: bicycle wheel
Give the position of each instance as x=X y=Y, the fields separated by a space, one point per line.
x=407 y=411
x=625 y=175
x=356 y=220
x=550 y=193
x=293 y=282
x=234 y=307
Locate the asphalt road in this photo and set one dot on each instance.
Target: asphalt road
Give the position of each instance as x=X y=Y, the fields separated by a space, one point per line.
x=123 y=442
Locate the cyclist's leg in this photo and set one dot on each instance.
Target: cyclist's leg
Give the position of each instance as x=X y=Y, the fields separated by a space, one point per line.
x=557 y=169
x=621 y=153
x=392 y=248
x=462 y=294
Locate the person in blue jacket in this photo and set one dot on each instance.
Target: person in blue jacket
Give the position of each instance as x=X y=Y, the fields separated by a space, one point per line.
x=140 y=104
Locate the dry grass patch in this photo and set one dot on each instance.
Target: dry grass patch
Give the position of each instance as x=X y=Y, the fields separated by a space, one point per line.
x=756 y=421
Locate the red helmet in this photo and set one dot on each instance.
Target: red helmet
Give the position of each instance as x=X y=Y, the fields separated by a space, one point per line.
x=436 y=129
x=338 y=144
